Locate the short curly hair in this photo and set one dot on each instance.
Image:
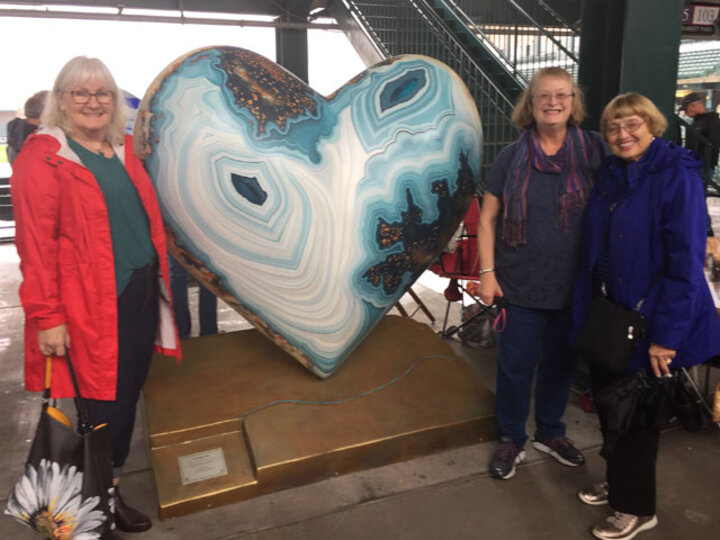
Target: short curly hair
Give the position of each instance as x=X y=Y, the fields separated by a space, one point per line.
x=629 y=104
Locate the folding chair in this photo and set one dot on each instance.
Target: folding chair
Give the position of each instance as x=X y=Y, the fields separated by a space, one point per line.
x=701 y=400
x=712 y=363
x=420 y=306
x=461 y=265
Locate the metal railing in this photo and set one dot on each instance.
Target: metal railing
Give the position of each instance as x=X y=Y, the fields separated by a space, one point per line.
x=413 y=27
x=528 y=34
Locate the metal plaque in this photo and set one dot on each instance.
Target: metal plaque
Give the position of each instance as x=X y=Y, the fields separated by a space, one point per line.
x=201 y=466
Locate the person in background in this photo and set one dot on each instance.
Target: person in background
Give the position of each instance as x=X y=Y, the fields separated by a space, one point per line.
x=207 y=303
x=644 y=238
x=529 y=247
x=93 y=258
x=19 y=129
x=705 y=122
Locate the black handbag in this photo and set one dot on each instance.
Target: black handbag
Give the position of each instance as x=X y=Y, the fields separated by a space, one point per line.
x=610 y=334
x=67 y=489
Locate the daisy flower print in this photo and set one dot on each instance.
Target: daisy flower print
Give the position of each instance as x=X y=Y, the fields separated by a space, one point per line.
x=49 y=500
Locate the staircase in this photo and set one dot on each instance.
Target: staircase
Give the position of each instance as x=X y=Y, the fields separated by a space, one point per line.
x=524 y=34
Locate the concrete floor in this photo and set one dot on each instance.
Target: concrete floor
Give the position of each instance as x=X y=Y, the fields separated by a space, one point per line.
x=448 y=495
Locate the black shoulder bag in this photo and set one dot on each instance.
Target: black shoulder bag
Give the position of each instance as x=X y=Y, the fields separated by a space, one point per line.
x=610 y=334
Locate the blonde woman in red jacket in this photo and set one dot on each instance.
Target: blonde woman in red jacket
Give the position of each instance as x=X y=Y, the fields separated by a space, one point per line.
x=92 y=255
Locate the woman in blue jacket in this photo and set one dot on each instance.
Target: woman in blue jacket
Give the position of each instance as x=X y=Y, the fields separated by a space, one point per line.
x=645 y=236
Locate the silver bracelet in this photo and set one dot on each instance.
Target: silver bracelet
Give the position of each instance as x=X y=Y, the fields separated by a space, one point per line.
x=485 y=271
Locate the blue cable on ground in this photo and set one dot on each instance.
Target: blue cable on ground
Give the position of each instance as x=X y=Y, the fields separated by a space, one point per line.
x=353 y=398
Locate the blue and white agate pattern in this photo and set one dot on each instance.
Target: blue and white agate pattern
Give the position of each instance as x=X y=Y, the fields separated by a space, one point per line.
x=310 y=215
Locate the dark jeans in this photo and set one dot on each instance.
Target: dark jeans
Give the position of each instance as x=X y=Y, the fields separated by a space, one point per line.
x=207 y=304
x=630 y=470
x=137 y=327
x=533 y=338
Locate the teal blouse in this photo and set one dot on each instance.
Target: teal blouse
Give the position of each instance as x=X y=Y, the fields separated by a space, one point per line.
x=129 y=224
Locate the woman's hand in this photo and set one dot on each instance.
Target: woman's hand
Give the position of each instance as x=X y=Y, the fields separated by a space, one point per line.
x=54 y=341
x=660 y=359
x=489 y=288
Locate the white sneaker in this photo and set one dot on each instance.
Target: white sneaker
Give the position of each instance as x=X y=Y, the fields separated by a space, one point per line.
x=596 y=495
x=619 y=526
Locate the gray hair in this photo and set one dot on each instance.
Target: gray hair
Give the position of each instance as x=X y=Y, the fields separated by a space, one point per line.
x=75 y=73
x=35 y=104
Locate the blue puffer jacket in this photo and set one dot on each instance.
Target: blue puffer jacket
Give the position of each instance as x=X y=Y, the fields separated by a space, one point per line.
x=658 y=228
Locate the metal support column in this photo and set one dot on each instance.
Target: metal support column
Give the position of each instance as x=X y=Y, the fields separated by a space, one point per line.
x=291 y=48
x=630 y=46
x=651 y=50
x=601 y=38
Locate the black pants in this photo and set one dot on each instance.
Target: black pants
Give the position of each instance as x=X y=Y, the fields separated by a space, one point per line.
x=137 y=326
x=631 y=468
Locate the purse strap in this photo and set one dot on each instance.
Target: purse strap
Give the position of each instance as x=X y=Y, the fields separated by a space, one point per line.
x=650 y=288
x=85 y=426
x=48 y=378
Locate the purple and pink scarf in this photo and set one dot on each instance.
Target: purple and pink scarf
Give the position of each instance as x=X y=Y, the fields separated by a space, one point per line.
x=571 y=162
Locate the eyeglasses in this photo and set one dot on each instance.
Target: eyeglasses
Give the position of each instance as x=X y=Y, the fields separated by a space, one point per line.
x=631 y=126
x=548 y=96
x=83 y=97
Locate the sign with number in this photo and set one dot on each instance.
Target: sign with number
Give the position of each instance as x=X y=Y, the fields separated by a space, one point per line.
x=704 y=15
x=700 y=18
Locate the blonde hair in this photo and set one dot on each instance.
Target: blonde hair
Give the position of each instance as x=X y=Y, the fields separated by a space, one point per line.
x=630 y=104
x=77 y=71
x=522 y=115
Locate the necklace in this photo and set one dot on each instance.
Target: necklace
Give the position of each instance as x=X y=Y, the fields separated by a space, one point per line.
x=92 y=146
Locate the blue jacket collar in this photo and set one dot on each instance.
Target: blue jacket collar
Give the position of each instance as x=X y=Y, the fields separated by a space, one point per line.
x=660 y=155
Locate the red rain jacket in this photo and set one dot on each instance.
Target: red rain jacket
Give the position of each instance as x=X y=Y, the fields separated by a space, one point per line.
x=66 y=259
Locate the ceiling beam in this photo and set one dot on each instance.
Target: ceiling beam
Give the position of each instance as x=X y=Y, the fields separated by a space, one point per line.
x=272 y=8
x=121 y=15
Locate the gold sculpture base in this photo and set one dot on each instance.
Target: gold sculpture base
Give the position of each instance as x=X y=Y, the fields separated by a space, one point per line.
x=238 y=417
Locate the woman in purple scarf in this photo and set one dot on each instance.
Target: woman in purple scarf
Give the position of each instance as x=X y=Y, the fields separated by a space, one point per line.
x=537 y=189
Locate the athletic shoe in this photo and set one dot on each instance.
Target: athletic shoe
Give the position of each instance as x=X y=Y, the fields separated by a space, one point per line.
x=596 y=495
x=561 y=448
x=619 y=526
x=507 y=455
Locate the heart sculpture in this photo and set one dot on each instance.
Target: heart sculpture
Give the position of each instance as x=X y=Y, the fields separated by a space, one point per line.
x=311 y=216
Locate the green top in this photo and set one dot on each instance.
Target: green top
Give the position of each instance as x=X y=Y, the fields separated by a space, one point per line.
x=129 y=223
